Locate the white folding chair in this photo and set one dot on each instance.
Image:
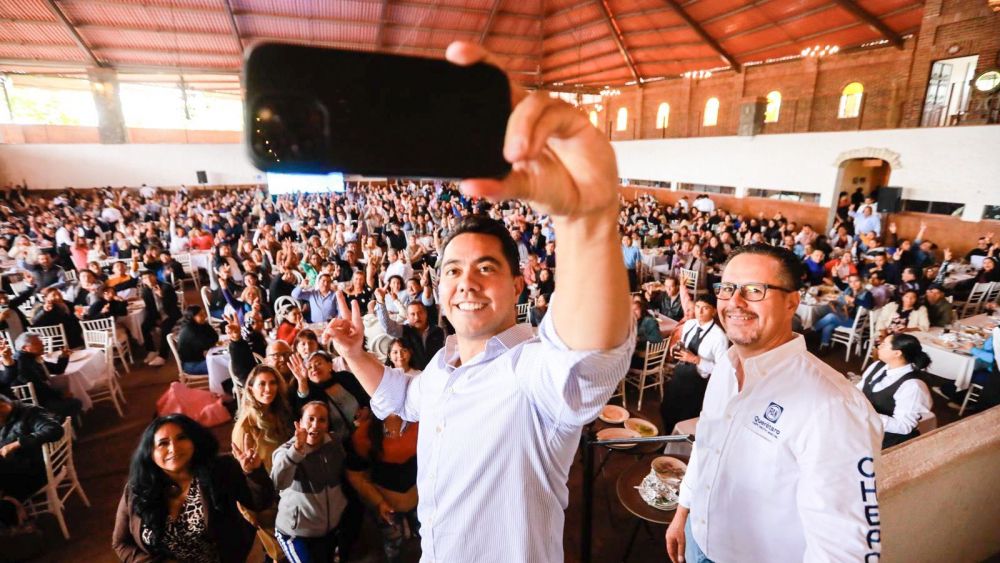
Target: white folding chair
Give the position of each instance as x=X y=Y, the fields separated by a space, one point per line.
x=206 y=299
x=870 y=350
x=380 y=346
x=5 y=336
x=53 y=337
x=108 y=390
x=974 y=303
x=25 y=393
x=184 y=259
x=122 y=349
x=652 y=367
x=188 y=379
x=523 y=312
x=992 y=294
x=853 y=337
x=70 y=276
x=61 y=479
x=284 y=304
x=971 y=397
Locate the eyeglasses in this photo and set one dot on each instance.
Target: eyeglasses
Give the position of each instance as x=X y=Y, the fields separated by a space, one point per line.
x=754 y=291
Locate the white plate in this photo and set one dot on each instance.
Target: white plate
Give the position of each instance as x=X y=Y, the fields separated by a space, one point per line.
x=635 y=423
x=613 y=414
x=618 y=433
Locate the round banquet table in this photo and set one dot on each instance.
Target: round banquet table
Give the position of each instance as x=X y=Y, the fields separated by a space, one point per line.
x=629 y=497
x=218 y=360
x=86 y=370
x=132 y=322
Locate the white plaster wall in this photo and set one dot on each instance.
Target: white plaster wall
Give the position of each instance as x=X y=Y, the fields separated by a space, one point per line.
x=89 y=165
x=955 y=164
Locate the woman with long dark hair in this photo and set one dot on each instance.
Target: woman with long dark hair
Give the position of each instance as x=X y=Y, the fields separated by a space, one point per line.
x=895 y=387
x=180 y=500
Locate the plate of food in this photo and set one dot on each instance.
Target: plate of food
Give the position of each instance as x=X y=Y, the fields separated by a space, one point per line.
x=644 y=428
x=613 y=414
x=617 y=434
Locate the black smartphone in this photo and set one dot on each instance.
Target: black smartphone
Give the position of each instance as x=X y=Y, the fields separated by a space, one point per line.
x=319 y=110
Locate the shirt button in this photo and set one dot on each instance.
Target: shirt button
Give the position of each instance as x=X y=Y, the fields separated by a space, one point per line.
x=439 y=429
x=718 y=451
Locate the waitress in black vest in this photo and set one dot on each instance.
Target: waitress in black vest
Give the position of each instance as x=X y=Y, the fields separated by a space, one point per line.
x=895 y=387
x=702 y=344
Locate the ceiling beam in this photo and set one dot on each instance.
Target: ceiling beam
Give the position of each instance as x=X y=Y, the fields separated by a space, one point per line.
x=871 y=21
x=489 y=22
x=823 y=32
x=383 y=11
x=61 y=16
x=592 y=58
x=769 y=25
x=232 y=24
x=405 y=3
x=700 y=31
x=616 y=35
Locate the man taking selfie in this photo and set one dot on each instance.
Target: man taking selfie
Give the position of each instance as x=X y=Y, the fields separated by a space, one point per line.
x=501 y=410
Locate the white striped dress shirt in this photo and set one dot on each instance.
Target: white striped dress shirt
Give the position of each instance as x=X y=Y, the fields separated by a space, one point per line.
x=497 y=438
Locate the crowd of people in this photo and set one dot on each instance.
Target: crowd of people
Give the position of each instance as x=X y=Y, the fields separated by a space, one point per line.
x=359 y=322
x=376 y=248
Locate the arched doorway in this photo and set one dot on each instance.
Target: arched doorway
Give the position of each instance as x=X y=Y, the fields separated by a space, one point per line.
x=862 y=171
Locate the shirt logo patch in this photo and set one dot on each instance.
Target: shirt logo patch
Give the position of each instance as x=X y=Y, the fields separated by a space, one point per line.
x=773 y=412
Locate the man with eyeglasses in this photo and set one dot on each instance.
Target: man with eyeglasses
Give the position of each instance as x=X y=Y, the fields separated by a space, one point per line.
x=783 y=468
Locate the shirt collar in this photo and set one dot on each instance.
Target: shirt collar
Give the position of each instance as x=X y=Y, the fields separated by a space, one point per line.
x=759 y=366
x=894 y=373
x=495 y=346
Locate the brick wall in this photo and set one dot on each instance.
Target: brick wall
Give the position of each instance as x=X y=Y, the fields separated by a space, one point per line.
x=894 y=80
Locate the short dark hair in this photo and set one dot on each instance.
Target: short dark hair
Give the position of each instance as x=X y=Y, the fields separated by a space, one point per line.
x=790 y=270
x=484 y=225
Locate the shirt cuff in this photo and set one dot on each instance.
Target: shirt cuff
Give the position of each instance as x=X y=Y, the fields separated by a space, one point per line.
x=390 y=395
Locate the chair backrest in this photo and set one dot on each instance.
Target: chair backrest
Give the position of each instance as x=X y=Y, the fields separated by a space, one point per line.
x=656 y=355
x=992 y=293
x=690 y=278
x=206 y=294
x=172 y=342
x=5 y=336
x=70 y=275
x=59 y=454
x=106 y=324
x=25 y=393
x=380 y=346
x=53 y=337
x=184 y=259
x=861 y=318
x=99 y=339
x=523 y=312
x=283 y=304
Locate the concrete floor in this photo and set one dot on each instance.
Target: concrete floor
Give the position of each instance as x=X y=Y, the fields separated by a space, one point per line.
x=106 y=442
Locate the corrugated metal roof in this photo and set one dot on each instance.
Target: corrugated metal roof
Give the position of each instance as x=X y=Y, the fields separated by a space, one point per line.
x=569 y=41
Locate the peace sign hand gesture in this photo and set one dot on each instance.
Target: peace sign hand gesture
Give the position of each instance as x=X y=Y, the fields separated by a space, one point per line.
x=347 y=333
x=248 y=458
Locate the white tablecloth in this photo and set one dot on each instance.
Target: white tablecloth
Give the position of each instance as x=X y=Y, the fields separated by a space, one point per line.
x=86 y=370
x=201 y=260
x=809 y=314
x=218 y=368
x=133 y=321
x=952 y=363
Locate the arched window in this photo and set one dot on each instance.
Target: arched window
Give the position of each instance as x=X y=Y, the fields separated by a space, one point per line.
x=622 y=123
x=663 y=116
x=593 y=118
x=711 y=112
x=773 y=107
x=850 y=100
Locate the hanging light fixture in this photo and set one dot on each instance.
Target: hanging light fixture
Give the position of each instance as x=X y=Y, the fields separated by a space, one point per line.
x=697 y=74
x=818 y=51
